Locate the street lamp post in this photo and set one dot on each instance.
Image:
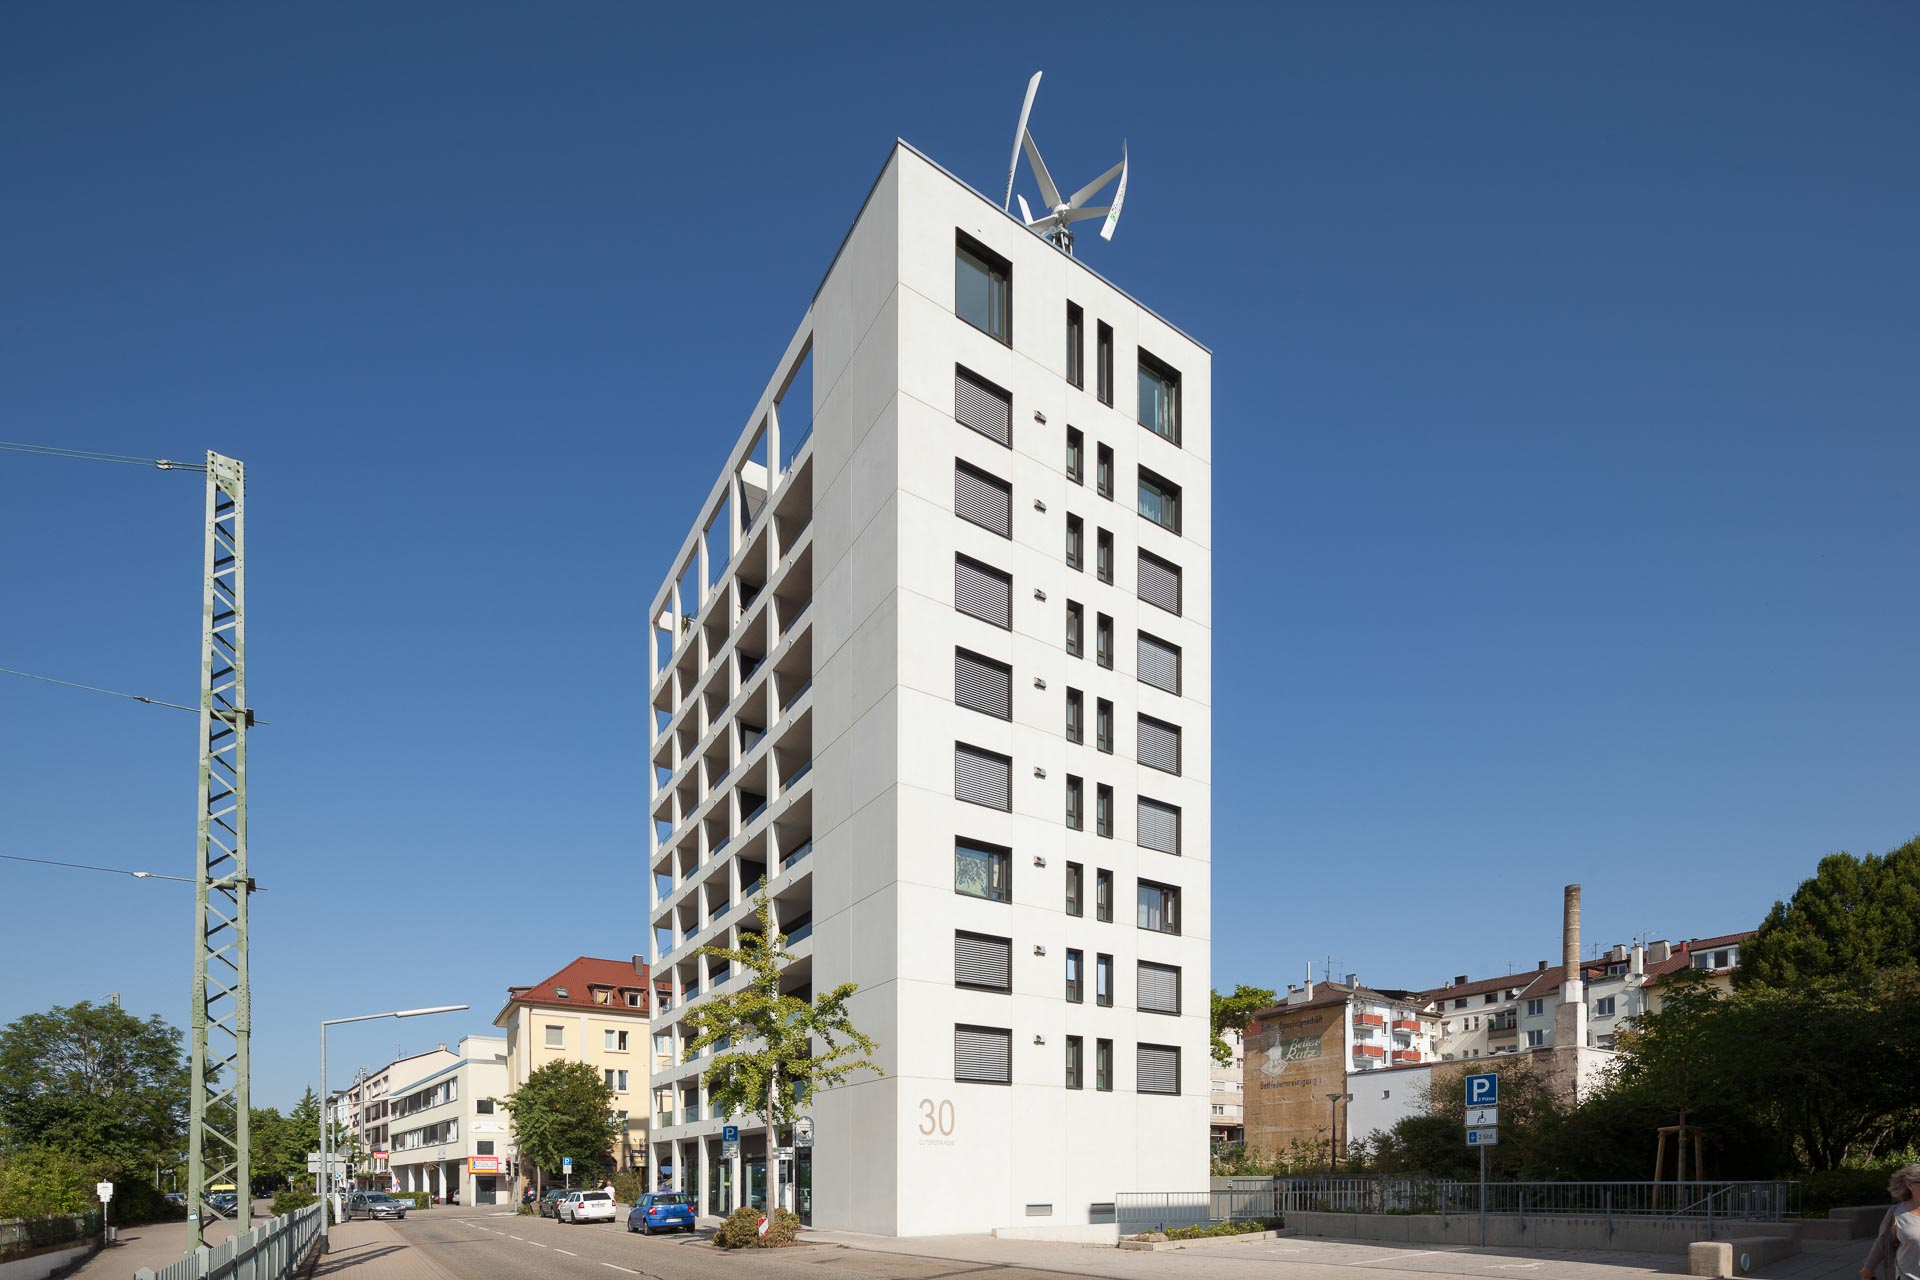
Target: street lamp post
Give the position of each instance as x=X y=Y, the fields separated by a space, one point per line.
x=1333 y=1128
x=326 y=1129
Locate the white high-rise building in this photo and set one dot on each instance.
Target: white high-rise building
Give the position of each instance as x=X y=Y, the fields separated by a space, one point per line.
x=935 y=666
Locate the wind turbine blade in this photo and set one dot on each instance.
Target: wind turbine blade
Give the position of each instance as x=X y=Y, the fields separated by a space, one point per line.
x=1026 y=214
x=1081 y=215
x=1119 y=197
x=1013 y=165
x=1099 y=182
x=1048 y=192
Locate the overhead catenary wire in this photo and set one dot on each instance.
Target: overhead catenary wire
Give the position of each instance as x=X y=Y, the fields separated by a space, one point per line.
x=92 y=455
x=92 y=688
x=112 y=871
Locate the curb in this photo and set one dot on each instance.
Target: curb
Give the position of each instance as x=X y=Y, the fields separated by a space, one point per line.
x=1163 y=1246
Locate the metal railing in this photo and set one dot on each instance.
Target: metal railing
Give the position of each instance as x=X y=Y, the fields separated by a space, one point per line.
x=1768 y=1201
x=20 y=1237
x=1138 y=1211
x=273 y=1250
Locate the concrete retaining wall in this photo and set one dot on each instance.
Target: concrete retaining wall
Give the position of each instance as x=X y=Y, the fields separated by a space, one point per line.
x=1067 y=1233
x=1738 y=1256
x=1510 y=1231
x=41 y=1265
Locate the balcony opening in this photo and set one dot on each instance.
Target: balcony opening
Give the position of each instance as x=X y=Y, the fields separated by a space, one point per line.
x=753 y=480
x=794 y=408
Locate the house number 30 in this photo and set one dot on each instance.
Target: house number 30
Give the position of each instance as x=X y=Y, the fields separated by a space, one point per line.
x=936 y=1117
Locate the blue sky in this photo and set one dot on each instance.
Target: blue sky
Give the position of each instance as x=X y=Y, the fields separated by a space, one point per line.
x=1566 y=392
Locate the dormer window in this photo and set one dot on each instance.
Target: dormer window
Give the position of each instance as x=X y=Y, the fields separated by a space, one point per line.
x=602 y=995
x=563 y=993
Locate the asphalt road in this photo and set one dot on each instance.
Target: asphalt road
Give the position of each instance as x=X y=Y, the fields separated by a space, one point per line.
x=485 y=1247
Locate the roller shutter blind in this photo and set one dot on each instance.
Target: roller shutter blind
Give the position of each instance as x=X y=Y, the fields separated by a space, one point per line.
x=982 y=777
x=982 y=406
x=1158 y=1069
x=984 y=592
x=1157 y=663
x=982 y=961
x=982 y=684
x=1159 y=988
x=1158 y=582
x=1158 y=826
x=983 y=1055
x=1159 y=744
x=984 y=499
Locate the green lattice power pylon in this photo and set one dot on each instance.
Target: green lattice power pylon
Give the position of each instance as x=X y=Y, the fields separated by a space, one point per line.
x=218 y=1136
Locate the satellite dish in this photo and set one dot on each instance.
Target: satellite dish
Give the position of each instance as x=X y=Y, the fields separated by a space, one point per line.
x=1061 y=214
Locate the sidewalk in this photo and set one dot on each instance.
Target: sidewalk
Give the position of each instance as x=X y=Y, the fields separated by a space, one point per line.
x=375 y=1251
x=155 y=1245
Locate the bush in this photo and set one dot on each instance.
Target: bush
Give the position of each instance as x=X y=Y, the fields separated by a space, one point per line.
x=741 y=1230
x=1820 y=1192
x=41 y=1183
x=1240 y=1227
x=288 y=1201
x=416 y=1199
x=527 y=1210
x=629 y=1185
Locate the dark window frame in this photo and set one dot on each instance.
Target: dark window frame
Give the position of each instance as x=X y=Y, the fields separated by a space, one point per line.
x=1103 y=725
x=1146 y=477
x=991 y=481
x=969 y=1026
x=1076 y=976
x=1103 y=362
x=1103 y=965
x=1076 y=455
x=1076 y=543
x=1076 y=345
x=1076 y=638
x=986 y=937
x=1151 y=366
x=985 y=570
x=990 y=264
x=1103 y=470
x=1005 y=668
x=997 y=854
x=1076 y=728
x=1103 y=895
x=1103 y=810
x=1076 y=815
x=1076 y=1061
x=1103 y=1066
x=1076 y=889
x=1169 y=906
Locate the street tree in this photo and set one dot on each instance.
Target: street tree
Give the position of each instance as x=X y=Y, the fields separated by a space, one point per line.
x=564 y=1109
x=1234 y=1012
x=1856 y=916
x=95 y=1082
x=775 y=1049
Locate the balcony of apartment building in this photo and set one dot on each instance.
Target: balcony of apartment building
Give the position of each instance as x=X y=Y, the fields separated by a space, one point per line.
x=1503 y=1029
x=1368 y=1054
x=1406 y=1057
x=1368 y=1022
x=1403 y=1027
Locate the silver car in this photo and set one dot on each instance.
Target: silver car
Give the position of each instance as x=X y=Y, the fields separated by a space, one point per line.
x=375 y=1204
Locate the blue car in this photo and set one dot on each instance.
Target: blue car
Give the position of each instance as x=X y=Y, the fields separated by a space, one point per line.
x=661 y=1211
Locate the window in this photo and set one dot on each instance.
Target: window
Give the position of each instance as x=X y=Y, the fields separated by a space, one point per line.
x=982 y=870
x=1159 y=907
x=1159 y=988
x=1075 y=707
x=484 y=1106
x=1103 y=1065
x=1159 y=1069
x=1076 y=976
x=1076 y=345
x=1160 y=500
x=1076 y=538
x=1076 y=888
x=1157 y=582
x=1075 y=819
x=1158 y=826
x=1159 y=744
x=1535 y=1007
x=616 y=1080
x=602 y=995
x=1156 y=662
x=1103 y=362
x=1103 y=895
x=1159 y=398
x=1535 y=1039
x=556 y=1037
x=1103 y=640
x=1076 y=620
x=614 y=1041
x=635 y=999
x=983 y=288
x=981 y=406
x=1103 y=980
x=1073 y=1061
x=983 y=1055
x=1103 y=811
x=1103 y=725
x=982 y=684
x=482 y=1147
x=1460 y=1003
x=1103 y=471
x=1721 y=959
x=982 y=777
x=983 y=592
x=1103 y=556
x=1076 y=455
x=1603 y=1007
x=982 y=961
x=983 y=499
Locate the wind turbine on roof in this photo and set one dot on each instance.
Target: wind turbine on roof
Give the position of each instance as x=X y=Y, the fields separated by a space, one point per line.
x=1057 y=222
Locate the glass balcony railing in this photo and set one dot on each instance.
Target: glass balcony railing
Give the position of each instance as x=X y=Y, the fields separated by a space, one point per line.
x=801 y=933
x=797 y=694
x=794 y=855
x=798 y=774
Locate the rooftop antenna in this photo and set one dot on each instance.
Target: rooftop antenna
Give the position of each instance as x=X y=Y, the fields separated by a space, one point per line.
x=1061 y=214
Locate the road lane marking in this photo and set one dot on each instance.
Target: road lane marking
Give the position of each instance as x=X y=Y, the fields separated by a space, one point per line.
x=516 y=1238
x=536 y=1244
x=629 y=1270
x=570 y=1253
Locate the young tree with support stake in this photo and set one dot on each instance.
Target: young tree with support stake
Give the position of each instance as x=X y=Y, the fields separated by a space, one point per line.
x=771 y=1056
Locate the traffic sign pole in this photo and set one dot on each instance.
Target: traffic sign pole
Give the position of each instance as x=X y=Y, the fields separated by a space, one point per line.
x=1483 y=1197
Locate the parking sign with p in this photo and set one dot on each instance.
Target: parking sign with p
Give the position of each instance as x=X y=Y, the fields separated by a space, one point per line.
x=1483 y=1091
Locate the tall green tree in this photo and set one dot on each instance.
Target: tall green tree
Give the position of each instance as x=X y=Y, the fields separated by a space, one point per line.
x=1854 y=917
x=94 y=1082
x=1235 y=1011
x=564 y=1109
x=774 y=1048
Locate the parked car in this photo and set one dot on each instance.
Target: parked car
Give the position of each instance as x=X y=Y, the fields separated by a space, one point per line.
x=178 y=1199
x=584 y=1206
x=226 y=1203
x=661 y=1211
x=375 y=1204
x=549 y=1199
